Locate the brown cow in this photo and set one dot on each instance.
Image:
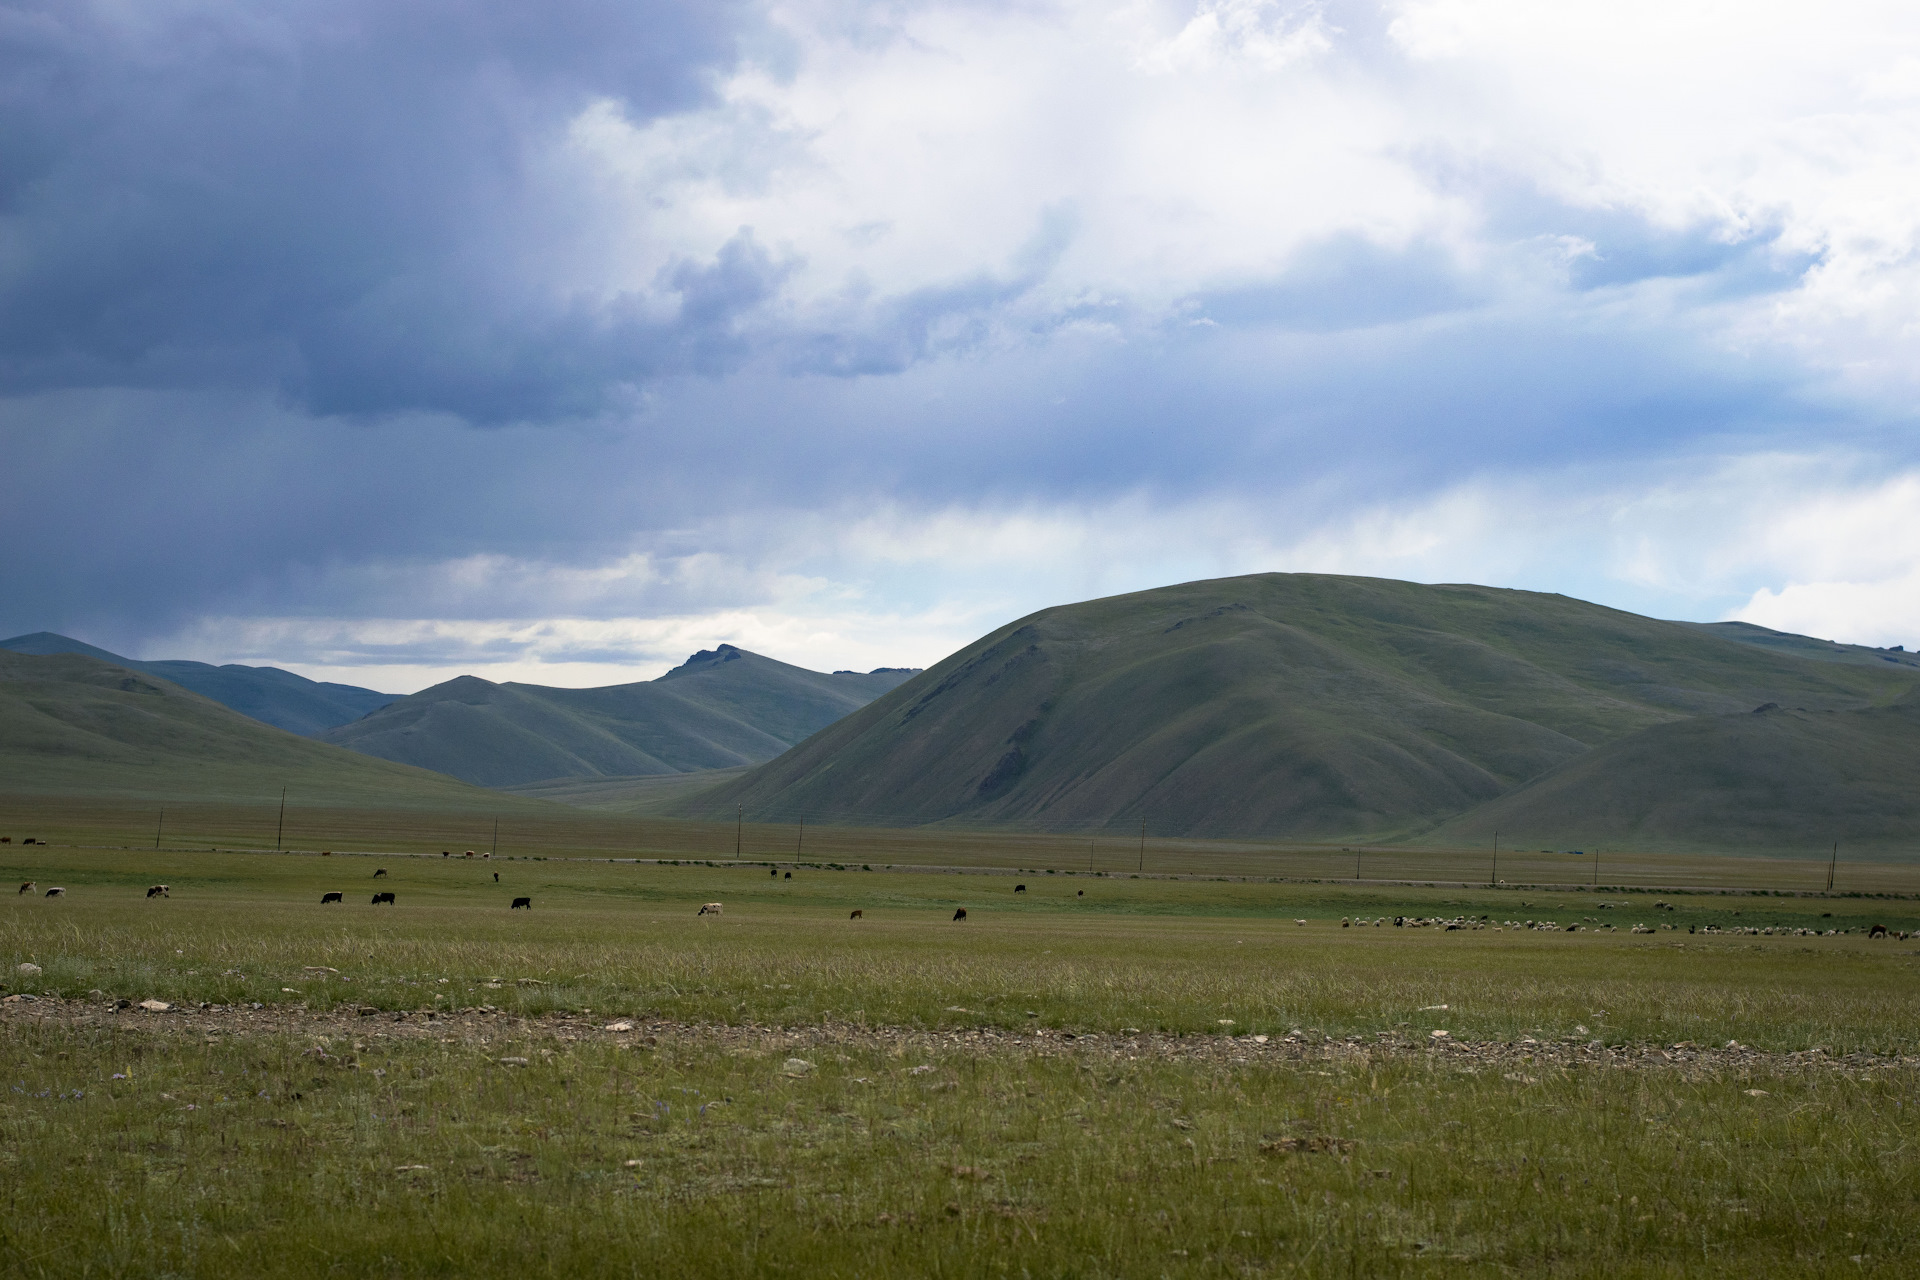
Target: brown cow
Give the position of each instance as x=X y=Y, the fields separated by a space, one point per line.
x=1878 y=931
x=27 y=887
x=378 y=872
x=857 y=915
x=961 y=914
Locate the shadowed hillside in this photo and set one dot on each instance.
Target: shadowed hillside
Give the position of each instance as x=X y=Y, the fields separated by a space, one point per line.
x=1277 y=704
x=75 y=725
x=721 y=708
x=1774 y=778
x=268 y=694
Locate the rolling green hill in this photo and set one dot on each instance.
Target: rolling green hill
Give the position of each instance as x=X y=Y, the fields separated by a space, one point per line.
x=78 y=726
x=1779 y=778
x=721 y=708
x=268 y=694
x=1278 y=704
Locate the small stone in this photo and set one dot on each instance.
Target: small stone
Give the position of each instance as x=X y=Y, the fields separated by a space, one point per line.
x=1225 y=1022
x=619 y=1026
x=797 y=1066
x=30 y=970
x=633 y=1164
x=155 y=1006
x=1259 y=1039
x=1756 y=1093
x=409 y=1168
x=1437 y=1035
x=513 y=1062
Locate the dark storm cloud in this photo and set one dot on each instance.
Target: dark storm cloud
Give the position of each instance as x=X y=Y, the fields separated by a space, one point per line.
x=347 y=200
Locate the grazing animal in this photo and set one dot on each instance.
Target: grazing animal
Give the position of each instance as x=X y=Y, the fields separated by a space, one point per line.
x=1019 y=888
x=55 y=892
x=789 y=875
x=496 y=877
x=1878 y=931
x=378 y=872
x=158 y=891
x=379 y=898
x=446 y=853
x=469 y=853
x=1081 y=894
x=521 y=902
x=961 y=914
x=325 y=898
x=708 y=909
x=774 y=872
x=28 y=840
x=326 y=853
x=27 y=887
x=856 y=915
x=6 y=839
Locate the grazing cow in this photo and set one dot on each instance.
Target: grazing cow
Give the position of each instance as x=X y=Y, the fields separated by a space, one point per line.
x=325 y=898
x=158 y=891
x=708 y=909
x=496 y=877
x=326 y=853
x=1081 y=894
x=446 y=853
x=521 y=902
x=856 y=915
x=27 y=887
x=789 y=875
x=469 y=853
x=961 y=914
x=378 y=872
x=28 y=840
x=379 y=898
x=55 y=892
x=1878 y=931
x=1019 y=888
x=774 y=872
x=6 y=839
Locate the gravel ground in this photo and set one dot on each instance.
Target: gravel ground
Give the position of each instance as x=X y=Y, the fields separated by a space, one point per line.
x=483 y=1026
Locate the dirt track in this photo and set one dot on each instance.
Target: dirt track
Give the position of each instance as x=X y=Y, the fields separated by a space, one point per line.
x=485 y=1026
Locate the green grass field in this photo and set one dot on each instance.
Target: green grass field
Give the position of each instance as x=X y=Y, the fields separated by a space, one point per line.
x=1060 y=1085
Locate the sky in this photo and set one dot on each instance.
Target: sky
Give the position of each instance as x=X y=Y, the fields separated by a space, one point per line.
x=389 y=342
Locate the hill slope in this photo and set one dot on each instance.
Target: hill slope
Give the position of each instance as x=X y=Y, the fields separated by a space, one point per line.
x=721 y=708
x=76 y=725
x=268 y=694
x=1772 y=778
x=1280 y=704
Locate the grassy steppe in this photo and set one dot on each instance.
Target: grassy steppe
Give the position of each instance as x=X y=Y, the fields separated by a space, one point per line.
x=942 y=1123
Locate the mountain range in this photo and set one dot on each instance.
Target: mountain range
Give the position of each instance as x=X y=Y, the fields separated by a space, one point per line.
x=268 y=694
x=1319 y=705
x=722 y=708
x=75 y=725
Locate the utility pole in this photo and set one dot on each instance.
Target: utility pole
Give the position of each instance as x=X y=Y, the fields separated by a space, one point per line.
x=1832 y=863
x=1143 y=844
x=159 y=825
x=281 y=830
x=1089 y=857
x=1596 y=868
x=1356 y=861
x=495 y=846
x=1496 y=861
x=739 y=821
x=798 y=844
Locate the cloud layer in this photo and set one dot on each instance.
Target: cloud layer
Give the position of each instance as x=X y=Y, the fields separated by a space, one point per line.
x=410 y=340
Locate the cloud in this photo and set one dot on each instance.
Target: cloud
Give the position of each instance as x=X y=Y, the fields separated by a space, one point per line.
x=372 y=336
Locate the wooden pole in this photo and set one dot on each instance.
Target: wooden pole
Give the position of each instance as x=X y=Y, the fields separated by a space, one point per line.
x=739 y=821
x=1143 y=844
x=280 y=831
x=1496 y=861
x=798 y=844
x=495 y=846
x=158 y=825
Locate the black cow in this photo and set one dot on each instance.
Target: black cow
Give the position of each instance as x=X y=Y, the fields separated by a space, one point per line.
x=379 y=898
x=1019 y=888
x=1878 y=931
x=774 y=872
x=55 y=892
x=961 y=914
x=521 y=902
x=789 y=875
x=325 y=898
x=1081 y=894
x=378 y=872
x=496 y=877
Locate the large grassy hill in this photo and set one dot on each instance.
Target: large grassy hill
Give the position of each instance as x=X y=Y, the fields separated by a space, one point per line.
x=72 y=725
x=722 y=708
x=1279 y=704
x=268 y=694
